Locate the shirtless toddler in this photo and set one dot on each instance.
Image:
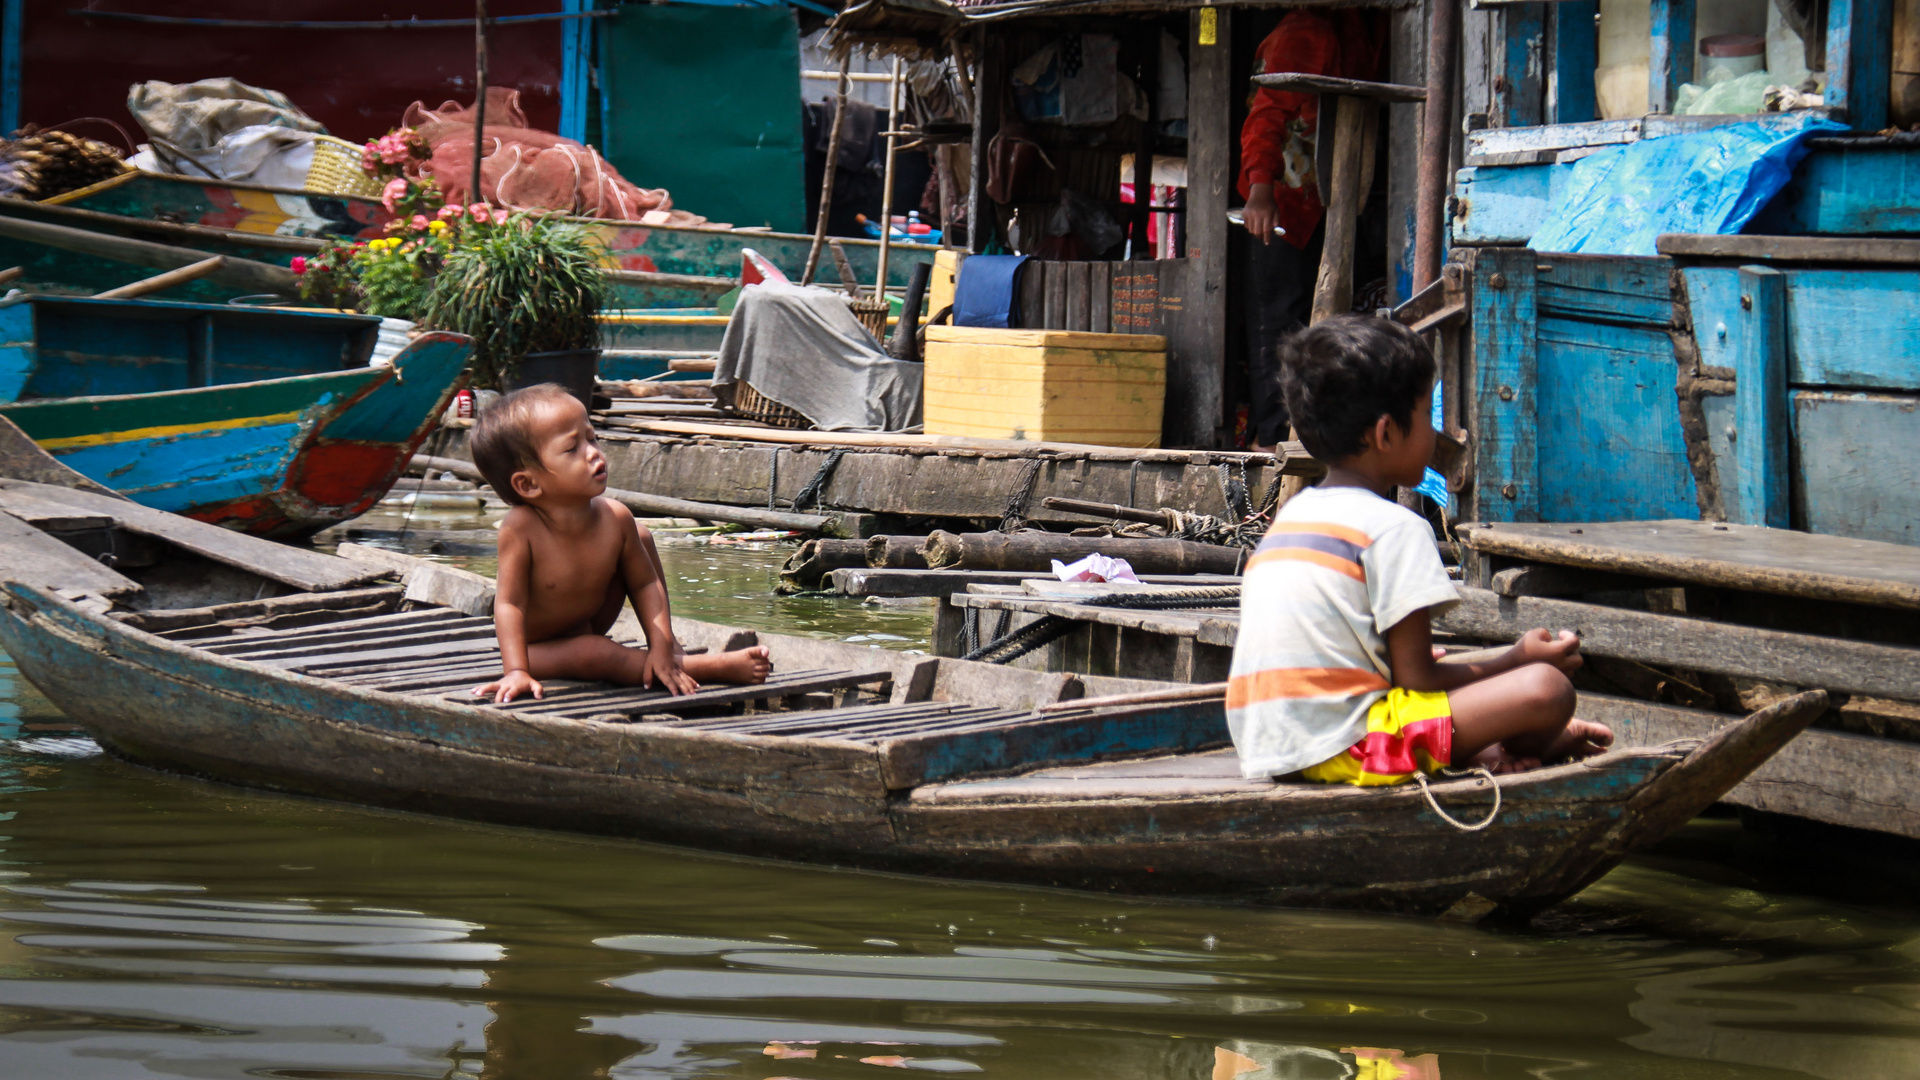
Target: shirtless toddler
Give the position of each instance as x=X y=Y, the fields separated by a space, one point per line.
x=569 y=559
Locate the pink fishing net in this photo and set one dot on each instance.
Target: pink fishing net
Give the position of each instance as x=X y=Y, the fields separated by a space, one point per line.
x=527 y=169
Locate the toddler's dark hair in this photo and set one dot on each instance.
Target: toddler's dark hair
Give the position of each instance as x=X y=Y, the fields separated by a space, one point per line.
x=502 y=440
x=1342 y=374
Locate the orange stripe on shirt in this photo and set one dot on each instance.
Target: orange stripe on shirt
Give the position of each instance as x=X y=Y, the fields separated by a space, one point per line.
x=1318 y=558
x=1258 y=686
x=1324 y=528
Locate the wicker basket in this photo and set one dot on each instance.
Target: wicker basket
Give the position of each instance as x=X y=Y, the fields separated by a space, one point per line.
x=336 y=169
x=872 y=315
x=753 y=405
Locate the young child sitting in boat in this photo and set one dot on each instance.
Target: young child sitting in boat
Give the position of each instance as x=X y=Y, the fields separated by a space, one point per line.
x=569 y=559
x=1335 y=677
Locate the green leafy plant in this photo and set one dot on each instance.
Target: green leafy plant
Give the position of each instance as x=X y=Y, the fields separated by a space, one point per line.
x=521 y=285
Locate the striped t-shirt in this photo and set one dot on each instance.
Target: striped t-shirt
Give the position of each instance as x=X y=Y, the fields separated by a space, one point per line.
x=1339 y=568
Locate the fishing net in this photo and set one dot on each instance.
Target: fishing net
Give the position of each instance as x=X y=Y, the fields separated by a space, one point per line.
x=528 y=169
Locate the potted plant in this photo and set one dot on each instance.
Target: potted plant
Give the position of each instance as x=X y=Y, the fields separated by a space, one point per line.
x=527 y=289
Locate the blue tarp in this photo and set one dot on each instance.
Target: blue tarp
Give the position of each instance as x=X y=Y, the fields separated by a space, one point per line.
x=1711 y=181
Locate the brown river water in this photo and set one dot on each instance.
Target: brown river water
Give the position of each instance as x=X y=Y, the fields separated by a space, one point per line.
x=157 y=926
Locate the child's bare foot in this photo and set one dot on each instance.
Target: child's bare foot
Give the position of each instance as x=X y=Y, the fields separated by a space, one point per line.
x=1581 y=739
x=1499 y=761
x=740 y=667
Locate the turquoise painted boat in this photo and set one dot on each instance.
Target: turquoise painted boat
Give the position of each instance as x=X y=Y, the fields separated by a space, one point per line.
x=269 y=422
x=275 y=224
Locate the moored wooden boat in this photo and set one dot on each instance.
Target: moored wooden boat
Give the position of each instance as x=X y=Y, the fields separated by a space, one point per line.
x=266 y=421
x=275 y=224
x=848 y=755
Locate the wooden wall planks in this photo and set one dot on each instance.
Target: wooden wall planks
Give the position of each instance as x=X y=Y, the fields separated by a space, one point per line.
x=1610 y=445
x=1503 y=314
x=1760 y=396
x=1854 y=472
x=1670 y=56
x=1576 y=53
x=1859 y=61
x=1858 y=329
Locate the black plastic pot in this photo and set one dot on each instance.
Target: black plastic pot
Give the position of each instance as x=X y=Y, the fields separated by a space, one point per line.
x=573 y=369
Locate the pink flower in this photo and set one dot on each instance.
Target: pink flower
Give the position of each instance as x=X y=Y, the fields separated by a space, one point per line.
x=481 y=212
x=393 y=148
x=419 y=221
x=299 y=264
x=451 y=210
x=395 y=189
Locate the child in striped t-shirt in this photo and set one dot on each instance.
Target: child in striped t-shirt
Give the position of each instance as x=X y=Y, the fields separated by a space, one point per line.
x=1335 y=677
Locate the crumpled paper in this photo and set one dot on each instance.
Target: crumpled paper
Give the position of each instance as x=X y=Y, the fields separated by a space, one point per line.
x=1096 y=567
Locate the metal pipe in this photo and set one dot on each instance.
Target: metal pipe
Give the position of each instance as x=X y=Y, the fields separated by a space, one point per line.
x=1430 y=195
x=886 y=196
x=830 y=169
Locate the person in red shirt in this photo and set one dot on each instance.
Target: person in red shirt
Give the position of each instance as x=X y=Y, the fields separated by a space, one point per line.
x=1277 y=181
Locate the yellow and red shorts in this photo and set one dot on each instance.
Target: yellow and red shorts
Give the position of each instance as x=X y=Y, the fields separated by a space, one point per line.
x=1408 y=732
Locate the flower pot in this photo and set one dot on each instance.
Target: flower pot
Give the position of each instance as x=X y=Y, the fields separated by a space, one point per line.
x=573 y=369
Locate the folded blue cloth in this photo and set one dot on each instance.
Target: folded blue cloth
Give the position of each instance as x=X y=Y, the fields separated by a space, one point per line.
x=988 y=292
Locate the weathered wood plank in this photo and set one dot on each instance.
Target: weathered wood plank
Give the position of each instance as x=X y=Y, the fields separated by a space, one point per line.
x=1855 y=473
x=1794 y=249
x=1033 y=295
x=1720 y=648
x=1079 y=279
x=1760 y=395
x=910 y=761
x=1859 y=60
x=1727 y=556
x=35 y=558
x=1055 y=317
x=1576 y=53
x=1099 y=298
x=1520 y=83
x=1548 y=579
x=1621 y=288
x=311 y=571
x=1670 y=60
x=1605 y=392
x=1506 y=458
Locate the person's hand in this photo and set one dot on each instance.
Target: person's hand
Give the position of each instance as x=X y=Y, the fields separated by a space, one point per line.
x=1537 y=646
x=1261 y=215
x=664 y=665
x=509 y=686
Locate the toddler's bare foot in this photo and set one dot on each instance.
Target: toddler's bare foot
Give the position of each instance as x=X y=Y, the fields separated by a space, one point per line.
x=741 y=666
x=1581 y=739
x=1498 y=760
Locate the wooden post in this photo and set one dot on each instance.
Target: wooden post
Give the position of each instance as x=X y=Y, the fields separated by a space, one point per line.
x=886 y=194
x=479 y=95
x=1670 y=59
x=1859 y=60
x=1436 y=139
x=1520 y=92
x=1571 y=96
x=1761 y=431
x=1333 y=291
x=1196 y=415
x=988 y=76
x=1504 y=322
x=1149 y=70
x=831 y=167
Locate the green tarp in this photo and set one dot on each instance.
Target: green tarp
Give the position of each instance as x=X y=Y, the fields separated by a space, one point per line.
x=705 y=102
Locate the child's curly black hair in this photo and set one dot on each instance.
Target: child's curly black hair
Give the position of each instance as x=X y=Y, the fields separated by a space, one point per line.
x=1342 y=374
x=502 y=440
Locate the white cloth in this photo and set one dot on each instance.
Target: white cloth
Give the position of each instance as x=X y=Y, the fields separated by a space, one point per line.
x=1340 y=567
x=803 y=348
x=225 y=130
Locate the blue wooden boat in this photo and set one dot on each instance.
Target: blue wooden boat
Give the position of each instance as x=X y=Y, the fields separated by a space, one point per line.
x=266 y=421
x=847 y=755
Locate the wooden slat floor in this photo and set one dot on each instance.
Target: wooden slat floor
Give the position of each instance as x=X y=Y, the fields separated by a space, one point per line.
x=442 y=654
x=1215 y=772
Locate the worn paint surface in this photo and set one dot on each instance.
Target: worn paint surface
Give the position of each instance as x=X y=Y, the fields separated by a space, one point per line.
x=1855 y=472
x=278 y=456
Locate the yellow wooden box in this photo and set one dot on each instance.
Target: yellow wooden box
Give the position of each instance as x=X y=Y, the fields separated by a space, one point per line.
x=1045 y=385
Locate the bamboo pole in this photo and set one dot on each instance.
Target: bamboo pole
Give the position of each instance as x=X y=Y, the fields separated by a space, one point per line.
x=886 y=196
x=159 y=282
x=832 y=167
x=480 y=94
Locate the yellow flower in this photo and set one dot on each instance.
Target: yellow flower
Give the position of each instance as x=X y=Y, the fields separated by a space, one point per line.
x=437 y=227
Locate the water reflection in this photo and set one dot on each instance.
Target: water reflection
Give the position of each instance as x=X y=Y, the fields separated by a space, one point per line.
x=153 y=925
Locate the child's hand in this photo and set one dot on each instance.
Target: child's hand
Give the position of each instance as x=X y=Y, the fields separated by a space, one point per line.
x=510 y=686
x=1537 y=646
x=664 y=664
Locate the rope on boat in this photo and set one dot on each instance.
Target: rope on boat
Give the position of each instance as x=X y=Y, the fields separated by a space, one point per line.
x=1010 y=647
x=1167 y=599
x=1015 y=514
x=1421 y=779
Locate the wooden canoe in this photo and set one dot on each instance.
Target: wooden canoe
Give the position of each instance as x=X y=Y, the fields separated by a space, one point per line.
x=265 y=421
x=274 y=224
x=850 y=756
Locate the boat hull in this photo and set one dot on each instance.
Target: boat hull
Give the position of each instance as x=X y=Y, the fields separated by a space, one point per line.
x=276 y=457
x=173 y=706
x=273 y=213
